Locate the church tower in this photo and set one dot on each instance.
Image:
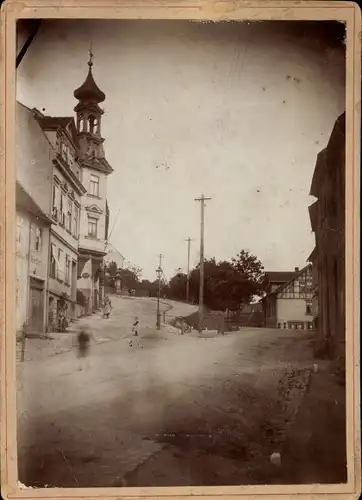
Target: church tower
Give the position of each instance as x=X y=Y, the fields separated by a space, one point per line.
x=95 y=170
x=89 y=116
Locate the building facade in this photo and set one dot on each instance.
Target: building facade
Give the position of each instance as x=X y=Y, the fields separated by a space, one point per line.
x=289 y=304
x=67 y=191
x=62 y=211
x=94 y=214
x=33 y=221
x=327 y=216
x=113 y=255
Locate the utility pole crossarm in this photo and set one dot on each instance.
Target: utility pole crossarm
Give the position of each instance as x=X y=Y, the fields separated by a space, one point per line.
x=202 y=198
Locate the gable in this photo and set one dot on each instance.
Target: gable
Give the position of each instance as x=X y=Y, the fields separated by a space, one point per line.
x=94 y=209
x=300 y=287
x=72 y=132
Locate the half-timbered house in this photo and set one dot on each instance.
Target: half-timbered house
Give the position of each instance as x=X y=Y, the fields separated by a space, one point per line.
x=289 y=305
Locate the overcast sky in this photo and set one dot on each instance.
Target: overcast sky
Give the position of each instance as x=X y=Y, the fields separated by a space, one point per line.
x=236 y=111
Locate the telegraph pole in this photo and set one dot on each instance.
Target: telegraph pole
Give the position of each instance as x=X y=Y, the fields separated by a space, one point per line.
x=202 y=200
x=188 y=269
x=159 y=274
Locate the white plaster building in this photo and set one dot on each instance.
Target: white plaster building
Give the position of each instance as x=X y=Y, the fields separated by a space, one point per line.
x=33 y=220
x=67 y=190
x=289 y=304
x=94 y=217
x=113 y=255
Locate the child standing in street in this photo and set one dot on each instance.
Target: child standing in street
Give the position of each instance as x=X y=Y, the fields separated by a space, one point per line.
x=135 y=326
x=107 y=307
x=135 y=330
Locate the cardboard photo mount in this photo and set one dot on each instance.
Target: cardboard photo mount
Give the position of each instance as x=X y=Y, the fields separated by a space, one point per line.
x=218 y=10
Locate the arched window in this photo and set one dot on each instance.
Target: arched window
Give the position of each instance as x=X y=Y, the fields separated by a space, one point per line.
x=91 y=121
x=81 y=123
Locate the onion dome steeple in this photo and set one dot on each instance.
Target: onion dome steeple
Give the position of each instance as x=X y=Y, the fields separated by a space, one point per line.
x=89 y=116
x=89 y=91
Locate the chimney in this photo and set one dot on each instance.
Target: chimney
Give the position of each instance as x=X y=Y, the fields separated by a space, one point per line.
x=296 y=269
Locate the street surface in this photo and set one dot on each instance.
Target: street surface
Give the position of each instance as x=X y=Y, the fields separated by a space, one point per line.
x=182 y=410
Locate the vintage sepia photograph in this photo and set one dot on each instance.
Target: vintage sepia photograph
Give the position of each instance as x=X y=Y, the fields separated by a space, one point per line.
x=180 y=250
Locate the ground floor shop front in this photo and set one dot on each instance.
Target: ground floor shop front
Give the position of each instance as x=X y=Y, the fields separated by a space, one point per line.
x=90 y=282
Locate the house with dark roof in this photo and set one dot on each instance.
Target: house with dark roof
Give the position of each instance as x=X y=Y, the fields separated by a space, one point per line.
x=33 y=221
x=327 y=218
x=67 y=190
x=287 y=302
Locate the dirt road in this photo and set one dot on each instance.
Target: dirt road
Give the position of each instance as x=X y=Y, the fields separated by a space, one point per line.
x=180 y=410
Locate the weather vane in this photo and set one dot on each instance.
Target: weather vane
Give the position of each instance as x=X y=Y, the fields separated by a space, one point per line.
x=90 y=63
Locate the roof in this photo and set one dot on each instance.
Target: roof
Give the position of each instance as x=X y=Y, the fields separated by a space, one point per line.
x=336 y=144
x=313 y=214
x=89 y=91
x=295 y=275
x=25 y=202
x=279 y=276
x=112 y=249
x=318 y=172
x=54 y=122
x=313 y=255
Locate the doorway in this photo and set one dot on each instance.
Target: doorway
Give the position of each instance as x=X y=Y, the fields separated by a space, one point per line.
x=36 y=305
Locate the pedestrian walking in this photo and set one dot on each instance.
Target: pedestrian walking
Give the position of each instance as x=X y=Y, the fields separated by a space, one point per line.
x=83 y=341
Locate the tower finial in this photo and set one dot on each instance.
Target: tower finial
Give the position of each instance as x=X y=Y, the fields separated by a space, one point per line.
x=90 y=62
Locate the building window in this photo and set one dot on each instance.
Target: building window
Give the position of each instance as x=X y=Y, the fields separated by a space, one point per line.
x=53 y=263
x=81 y=123
x=75 y=221
x=55 y=208
x=94 y=185
x=308 y=307
x=38 y=238
x=59 y=265
x=67 y=270
x=77 y=171
x=69 y=215
x=62 y=209
x=64 y=152
x=70 y=159
x=91 y=124
x=19 y=225
x=92 y=228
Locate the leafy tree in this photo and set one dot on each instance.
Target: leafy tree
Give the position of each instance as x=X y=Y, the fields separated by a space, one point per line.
x=129 y=278
x=251 y=268
x=177 y=287
x=135 y=270
x=110 y=270
x=227 y=285
x=150 y=286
